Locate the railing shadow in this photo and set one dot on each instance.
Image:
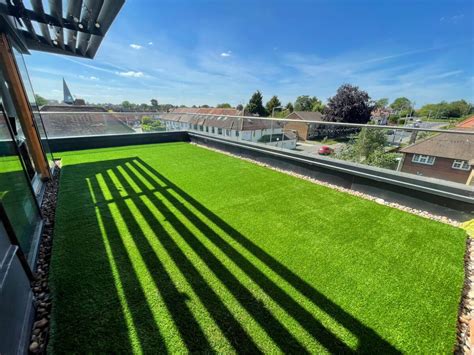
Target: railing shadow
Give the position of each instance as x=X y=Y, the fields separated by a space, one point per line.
x=368 y=339
x=190 y=330
x=125 y=184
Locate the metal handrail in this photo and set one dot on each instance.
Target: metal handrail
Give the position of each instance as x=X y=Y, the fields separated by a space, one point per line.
x=342 y=124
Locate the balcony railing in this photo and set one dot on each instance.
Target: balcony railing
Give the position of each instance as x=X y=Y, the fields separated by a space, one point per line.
x=423 y=149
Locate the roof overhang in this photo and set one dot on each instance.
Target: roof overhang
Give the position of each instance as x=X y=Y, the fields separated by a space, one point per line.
x=76 y=30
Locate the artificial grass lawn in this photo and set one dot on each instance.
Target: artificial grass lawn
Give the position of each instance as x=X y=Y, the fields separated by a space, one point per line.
x=176 y=248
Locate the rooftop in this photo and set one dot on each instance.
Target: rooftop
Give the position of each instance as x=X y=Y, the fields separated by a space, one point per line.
x=467 y=123
x=453 y=146
x=210 y=111
x=307 y=115
x=173 y=247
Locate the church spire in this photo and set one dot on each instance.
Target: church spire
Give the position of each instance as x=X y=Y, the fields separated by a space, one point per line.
x=68 y=99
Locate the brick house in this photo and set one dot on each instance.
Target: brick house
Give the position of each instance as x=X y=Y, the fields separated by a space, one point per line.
x=303 y=130
x=443 y=156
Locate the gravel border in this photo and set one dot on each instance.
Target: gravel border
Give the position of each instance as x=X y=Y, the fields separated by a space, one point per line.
x=465 y=329
x=41 y=293
x=465 y=323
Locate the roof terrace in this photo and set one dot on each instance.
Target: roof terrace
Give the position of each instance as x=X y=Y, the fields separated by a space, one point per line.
x=174 y=247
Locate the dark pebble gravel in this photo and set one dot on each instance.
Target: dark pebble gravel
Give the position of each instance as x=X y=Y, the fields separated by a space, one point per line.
x=40 y=288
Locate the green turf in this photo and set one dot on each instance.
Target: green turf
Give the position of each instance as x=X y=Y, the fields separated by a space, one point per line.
x=176 y=248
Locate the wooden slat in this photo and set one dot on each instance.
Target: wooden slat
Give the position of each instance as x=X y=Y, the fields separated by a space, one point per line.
x=23 y=108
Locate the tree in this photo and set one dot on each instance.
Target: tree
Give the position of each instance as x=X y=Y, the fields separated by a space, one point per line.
x=318 y=106
x=40 y=100
x=150 y=125
x=255 y=105
x=368 y=148
x=350 y=104
x=381 y=103
x=239 y=107
x=224 y=105
x=402 y=105
x=289 y=107
x=204 y=106
x=444 y=109
x=154 y=103
x=306 y=103
x=273 y=103
x=459 y=108
x=127 y=105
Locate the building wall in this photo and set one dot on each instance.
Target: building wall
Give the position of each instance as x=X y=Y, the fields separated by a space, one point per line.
x=300 y=128
x=286 y=144
x=441 y=169
x=251 y=136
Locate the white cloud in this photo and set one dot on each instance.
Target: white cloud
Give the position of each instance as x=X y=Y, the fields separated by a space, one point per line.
x=131 y=74
x=88 y=77
x=226 y=54
x=452 y=19
x=136 y=46
x=446 y=74
x=150 y=43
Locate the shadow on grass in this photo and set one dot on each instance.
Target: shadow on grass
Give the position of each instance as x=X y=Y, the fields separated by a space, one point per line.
x=115 y=188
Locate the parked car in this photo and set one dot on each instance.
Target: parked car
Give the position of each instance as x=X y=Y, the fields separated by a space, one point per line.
x=325 y=150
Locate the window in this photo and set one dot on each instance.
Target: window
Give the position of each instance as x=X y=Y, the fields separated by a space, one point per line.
x=461 y=165
x=423 y=159
x=201 y=128
x=219 y=131
x=236 y=133
x=227 y=132
x=207 y=129
x=212 y=130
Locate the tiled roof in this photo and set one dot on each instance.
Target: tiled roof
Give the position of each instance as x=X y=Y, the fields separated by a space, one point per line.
x=222 y=121
x=467 y=123
x=209 y=111
x=452 y=146
x=306 y=115
x=71 y=108
x=82 y=124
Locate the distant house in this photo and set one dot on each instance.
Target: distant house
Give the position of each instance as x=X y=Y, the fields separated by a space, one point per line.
x=443 y=156
x=240 y=128
x=380 y=115
x=303 y=130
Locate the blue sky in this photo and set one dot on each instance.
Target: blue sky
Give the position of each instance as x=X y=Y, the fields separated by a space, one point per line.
x=208 y=52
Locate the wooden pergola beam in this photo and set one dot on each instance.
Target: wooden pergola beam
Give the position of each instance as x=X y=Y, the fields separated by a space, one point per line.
x=22 y=107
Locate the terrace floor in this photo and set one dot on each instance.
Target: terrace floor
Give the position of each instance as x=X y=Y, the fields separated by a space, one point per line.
x=176 y=248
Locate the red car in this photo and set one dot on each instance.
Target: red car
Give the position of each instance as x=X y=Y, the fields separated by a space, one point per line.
x=325 y=150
